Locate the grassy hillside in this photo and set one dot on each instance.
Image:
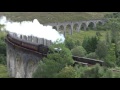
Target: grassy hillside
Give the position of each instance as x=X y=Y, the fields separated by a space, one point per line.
x=47 y=17
x=90 y=33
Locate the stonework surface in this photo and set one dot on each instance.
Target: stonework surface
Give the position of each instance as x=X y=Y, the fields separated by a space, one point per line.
x=21 y=63
x=62 y=27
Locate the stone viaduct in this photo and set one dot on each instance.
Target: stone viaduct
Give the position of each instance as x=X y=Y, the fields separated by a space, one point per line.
x=22 y=62
x=68 y=27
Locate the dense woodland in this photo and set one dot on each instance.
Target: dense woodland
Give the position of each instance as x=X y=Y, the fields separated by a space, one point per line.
x=102 y=43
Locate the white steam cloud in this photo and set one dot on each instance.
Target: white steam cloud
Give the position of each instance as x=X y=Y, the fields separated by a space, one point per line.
x=32 y=28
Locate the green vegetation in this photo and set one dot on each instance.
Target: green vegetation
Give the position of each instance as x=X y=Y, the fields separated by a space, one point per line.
x=101 y=43
x=69 y=43
x=50 y=17
x=3 y=71
x=101 y=49
x=97 y=72
x=82 y=34
x=3 y=68
x=67 y=72
x=2 y=48
x=90 y=44
x=79 y=51
x=92 y=55
x=110 y=58
x=54 y=63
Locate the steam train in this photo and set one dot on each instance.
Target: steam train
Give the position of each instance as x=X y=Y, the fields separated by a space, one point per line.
x=44 y=50
x=29 y=45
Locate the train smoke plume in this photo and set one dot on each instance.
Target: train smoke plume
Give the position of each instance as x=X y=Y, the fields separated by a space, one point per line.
x=33 y=28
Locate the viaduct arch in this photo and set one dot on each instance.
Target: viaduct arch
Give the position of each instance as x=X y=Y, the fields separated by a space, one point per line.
x=77 y=26
x=22 y=62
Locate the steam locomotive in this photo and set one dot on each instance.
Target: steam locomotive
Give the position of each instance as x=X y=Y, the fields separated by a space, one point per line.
x=29 y=45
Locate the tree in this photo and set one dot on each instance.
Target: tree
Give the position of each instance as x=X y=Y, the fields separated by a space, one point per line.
x=110 y=58
x=92 y=55
x=101 y=49
x=98 y=34
x=108 y=38
x=2 y=47
x=90 y=44
x=79 y=51
x=118 y=53
x=49 y=67
x=114 y=26
x=97 y=72
x=67 y=72
x=77 y=43
x=94 y=72
x=2 y=59
x=69 y=43
x=2 y=52
x=113 y=15
x=107 y=73
x=113 y=56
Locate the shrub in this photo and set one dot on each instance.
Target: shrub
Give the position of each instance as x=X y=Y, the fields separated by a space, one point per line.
x=2 y=52
x=49 y=67
x=108 y=38
x=97 y=72
x=92 y=55
x=69 y=43
x=2 y=47
x=90 y=44
x=2 y=59
x=77 y=43
x=67 y=72
x=101 y=50
x=79 y=51
x=107 y=74
x=110 y=58
x=94 y=72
